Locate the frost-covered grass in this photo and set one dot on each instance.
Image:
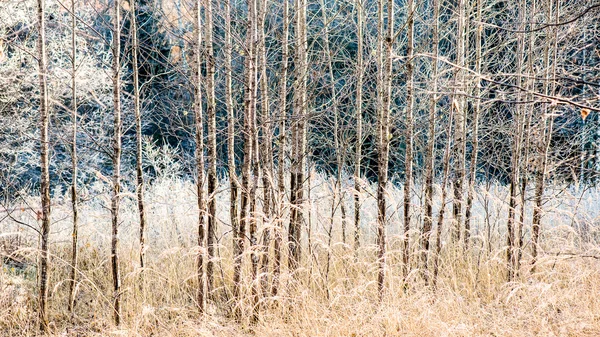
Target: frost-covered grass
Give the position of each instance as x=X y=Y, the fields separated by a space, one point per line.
x=472 y=297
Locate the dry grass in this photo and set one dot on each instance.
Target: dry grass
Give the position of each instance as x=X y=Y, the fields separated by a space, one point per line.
x=472 y=298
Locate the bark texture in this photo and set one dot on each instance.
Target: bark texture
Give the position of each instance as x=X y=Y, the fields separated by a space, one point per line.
x=44 y=164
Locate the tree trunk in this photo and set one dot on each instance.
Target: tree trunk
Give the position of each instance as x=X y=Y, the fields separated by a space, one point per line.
x=358 y=116
x=201 y=295
x=440 y=222
x=74 y=199
x=254 y=216
x=460 y=129
x=526 y=131
x=249 y=108
x=138 y=128
x=265 y=144
x=383 y=121
x=233 y=181
x=518 y=126
x=337 y=192
x=116 y=197
x=298 y=139
x=408 y=162
x=475 y=136
x=547 y=127
x=44 y=163
x=282 y=148
x=336 y=124
x=430 y=155
x=212 y=142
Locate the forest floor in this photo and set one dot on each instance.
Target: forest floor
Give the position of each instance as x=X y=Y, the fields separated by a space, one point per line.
x=472 y=297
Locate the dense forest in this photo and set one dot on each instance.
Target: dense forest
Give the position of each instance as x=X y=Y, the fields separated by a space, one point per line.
x=263 y=164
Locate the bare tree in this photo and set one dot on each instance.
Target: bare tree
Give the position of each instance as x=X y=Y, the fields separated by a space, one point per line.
x=358 y=115
x=116 y=197
x=44 y=163
x=337 y=193
x=74 y=197
x=429 y=155
x=384 y=88
x=516 y=151
x=138 y=129
x=527 y=118
x=246 y=198
x=460 y=120
x=297 y=169
x=233 y=181
x=547 y=125
x=212 y=141
x=199 y=121
x=255 y=163
x=282 y=147
x=408 y=161
x=336 y=126
x=265 y=145
x=442 y=212
x=253 y=195
x=475 y=131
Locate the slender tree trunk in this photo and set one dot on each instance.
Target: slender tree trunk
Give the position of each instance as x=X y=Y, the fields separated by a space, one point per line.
x=337 y=190
x=430 y=156
x=518 y=126
x=475 y=131
x=309 y=221
x=116 y=197
x=383 y=125
x=329 y=234
x=201 y=295
x=528 y=114
x=254 y=216
x=510 y=236
x=445 y=179
x=253 y=225
x=408 y=162
x=212 y=142
x=460 y=130
x=282 y=148
x=74 y=199
x=233 y=181
x=44 y=163
x=547 y=127
x=265 y=144
x=249 y=107
x=138 y=129
x=299 y=139
x=454 y=109
x=359 y=136
x=523 y=201
x=336 y=127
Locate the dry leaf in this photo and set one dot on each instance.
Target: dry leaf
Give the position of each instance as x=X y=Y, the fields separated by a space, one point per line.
x=585 y=113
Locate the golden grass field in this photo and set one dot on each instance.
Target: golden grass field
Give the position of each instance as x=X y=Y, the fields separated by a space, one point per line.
x=472 y=297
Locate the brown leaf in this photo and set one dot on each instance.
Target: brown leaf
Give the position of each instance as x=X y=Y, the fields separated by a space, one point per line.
x=585 y=113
